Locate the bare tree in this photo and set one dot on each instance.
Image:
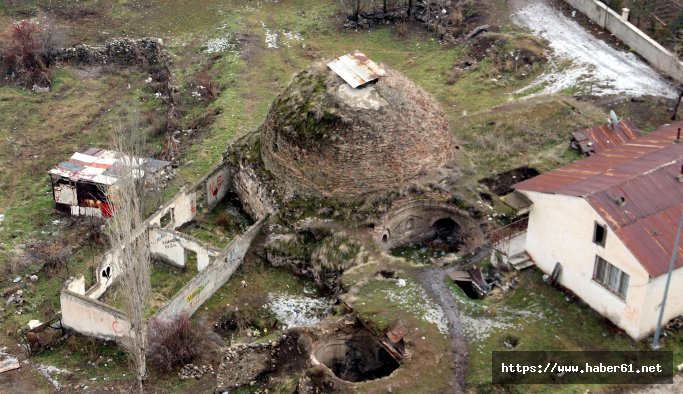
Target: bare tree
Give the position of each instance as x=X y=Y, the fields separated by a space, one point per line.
x=128 y=235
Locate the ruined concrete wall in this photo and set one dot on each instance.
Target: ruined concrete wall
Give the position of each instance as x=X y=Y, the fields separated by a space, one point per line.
x=84 y=314
x=646 y=47
x=91 y=317
x=182 y=207
x=206 y=283
x=256 y=199
x=171 y=246
x=217 y=185
x=413 y=221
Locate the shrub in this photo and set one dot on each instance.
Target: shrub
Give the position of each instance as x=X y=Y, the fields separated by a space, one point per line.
x=175 y=343
x=24 y=55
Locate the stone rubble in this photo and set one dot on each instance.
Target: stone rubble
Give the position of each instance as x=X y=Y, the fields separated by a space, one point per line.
x=192 y=371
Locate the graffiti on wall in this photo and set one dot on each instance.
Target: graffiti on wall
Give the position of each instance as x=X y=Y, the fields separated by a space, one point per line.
x=217 y=186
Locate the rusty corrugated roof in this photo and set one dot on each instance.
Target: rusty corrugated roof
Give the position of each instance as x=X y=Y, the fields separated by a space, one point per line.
x=356 y=68
x=597 y=139
x=397 y=333
x=644 y=172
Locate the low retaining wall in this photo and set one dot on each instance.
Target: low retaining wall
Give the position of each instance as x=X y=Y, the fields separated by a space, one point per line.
x=648 y=48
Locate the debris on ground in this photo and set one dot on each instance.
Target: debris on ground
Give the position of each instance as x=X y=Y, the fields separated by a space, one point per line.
x=243 y=363
x=192 y=371
x=7 y=361
x=298 y=311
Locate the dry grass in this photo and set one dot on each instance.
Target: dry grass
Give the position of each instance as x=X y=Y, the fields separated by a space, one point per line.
x=533 y=132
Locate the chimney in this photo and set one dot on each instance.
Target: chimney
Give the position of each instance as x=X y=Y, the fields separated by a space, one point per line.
x=620 y=201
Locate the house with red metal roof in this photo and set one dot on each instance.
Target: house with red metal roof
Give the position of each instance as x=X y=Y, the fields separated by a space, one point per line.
x=609 y=223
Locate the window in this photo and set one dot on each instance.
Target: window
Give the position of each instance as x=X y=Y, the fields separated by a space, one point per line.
x=610 y=276
x=600 y=234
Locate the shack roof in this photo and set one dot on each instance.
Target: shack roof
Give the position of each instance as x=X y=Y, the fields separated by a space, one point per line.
x=636 y=189
x=356 y=69
x=102 y=166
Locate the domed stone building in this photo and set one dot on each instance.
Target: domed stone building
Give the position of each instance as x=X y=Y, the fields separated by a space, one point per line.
x=324 y=138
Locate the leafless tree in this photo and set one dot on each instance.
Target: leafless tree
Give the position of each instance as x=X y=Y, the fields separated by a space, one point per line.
x=127 y=234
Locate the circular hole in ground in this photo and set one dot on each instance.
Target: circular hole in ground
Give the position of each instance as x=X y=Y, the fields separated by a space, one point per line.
x=355 y=356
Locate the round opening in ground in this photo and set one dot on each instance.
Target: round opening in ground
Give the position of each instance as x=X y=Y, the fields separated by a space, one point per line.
x=355 y=356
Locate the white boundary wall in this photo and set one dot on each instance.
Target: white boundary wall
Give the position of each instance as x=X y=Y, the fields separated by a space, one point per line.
x=640 y=42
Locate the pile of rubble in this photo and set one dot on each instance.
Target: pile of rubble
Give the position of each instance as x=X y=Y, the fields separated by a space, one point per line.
x=145 y=51
x=243 y=363
x=191 y=371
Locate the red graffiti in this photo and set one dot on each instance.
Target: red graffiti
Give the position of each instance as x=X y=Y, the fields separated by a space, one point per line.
x=115 y=327
x=215 y=185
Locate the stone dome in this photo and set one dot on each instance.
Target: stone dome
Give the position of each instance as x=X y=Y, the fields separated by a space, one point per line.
x=323 y=138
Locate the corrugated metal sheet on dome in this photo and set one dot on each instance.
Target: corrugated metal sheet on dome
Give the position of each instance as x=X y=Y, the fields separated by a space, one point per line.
x=645 y=172
x=356 y=69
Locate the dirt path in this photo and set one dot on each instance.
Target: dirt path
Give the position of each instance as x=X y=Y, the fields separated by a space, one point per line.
x=434 y=280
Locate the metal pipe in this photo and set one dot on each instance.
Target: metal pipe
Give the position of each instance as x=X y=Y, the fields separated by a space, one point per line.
x=655 y=341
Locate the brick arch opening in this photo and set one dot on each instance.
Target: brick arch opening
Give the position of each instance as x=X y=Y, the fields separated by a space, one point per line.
x=428 y=222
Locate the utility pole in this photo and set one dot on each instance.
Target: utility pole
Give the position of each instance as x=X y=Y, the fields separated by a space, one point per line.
x=655 y=341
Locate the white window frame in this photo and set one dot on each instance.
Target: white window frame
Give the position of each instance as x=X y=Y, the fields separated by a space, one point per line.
x=611 y=277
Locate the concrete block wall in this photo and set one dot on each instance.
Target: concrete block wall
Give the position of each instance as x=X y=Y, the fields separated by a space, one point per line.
x=653 y=52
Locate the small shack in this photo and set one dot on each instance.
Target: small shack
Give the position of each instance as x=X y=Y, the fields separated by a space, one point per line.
x=80 y=185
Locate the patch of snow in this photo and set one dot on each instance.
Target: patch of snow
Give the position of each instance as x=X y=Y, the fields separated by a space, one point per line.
x=298 y=311
x=291 y=37
x=271 y=37
x=48 y=371
x=480 y=327
x=275 y=38
x=221 y=44
x=425 y=309
x=594 y=64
